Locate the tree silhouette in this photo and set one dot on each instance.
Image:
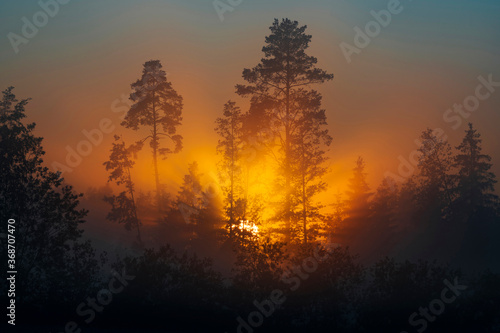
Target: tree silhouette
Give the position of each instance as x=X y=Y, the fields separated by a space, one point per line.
x=259 y=265
x=190 y=196
x=285 y=68
x=384 y=202
x=475 y=181
x=173 y=284
x=308 y=149
x=407 y=202
x=337 y=217
x=199 y=210
x=359 y=192
x=45 y=210
x=208 y=222
x=384 y=207
x=157 y=106
x=434 y=168
x=229 y=128
x=124 y=208
x=475 y=206
x=257 y=142
x=356 y=229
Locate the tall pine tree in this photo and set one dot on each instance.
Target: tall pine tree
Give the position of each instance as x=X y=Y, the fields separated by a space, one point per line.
x=159 y=107
x=285 y=68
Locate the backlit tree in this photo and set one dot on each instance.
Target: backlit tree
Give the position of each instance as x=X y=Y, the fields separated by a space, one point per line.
x=229 y=128
x=475 y=181
x=285 y=68
x=158 y=107
x=124 y=208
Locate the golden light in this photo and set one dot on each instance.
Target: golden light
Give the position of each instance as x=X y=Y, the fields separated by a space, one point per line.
x=246 y=225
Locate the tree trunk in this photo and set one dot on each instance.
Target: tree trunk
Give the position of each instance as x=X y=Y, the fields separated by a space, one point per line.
x=131 y=190
x=155 y=155
x=231 y=195
x=288 y=204
x=304 y=207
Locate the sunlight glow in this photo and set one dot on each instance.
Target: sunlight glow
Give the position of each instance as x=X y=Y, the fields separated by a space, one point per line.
x=246 y=225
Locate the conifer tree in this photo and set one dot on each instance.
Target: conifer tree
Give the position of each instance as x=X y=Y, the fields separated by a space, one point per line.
x=229 y=128
x=158 y=107
x=124 y=208
x=475 y=182
x=309 y=144
x=190 y=196
x=41 y=207
x=285 y=68
x=436 y=181
x=359 y=191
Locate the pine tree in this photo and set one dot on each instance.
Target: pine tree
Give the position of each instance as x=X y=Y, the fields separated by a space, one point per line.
x=159 y=107
x=285 y=68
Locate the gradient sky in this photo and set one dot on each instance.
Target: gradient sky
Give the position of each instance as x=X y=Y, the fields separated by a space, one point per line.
x=424 y=61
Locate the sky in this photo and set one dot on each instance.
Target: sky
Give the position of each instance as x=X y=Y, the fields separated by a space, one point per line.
x=80 y=64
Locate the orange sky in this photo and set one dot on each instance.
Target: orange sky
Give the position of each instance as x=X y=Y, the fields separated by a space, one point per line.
x=89 y=54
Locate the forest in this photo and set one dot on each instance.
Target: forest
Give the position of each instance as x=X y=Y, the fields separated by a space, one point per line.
x=267 y=244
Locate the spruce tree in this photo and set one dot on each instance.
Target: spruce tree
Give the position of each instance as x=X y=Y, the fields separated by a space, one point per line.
x=475 y=182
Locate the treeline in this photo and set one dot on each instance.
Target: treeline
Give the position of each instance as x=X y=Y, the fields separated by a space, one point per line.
x=265 y=227
x=333 y=293
x=272 y=157
x=272 y=162
x=57 y=271
x=54 y=265
x=447 y=210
